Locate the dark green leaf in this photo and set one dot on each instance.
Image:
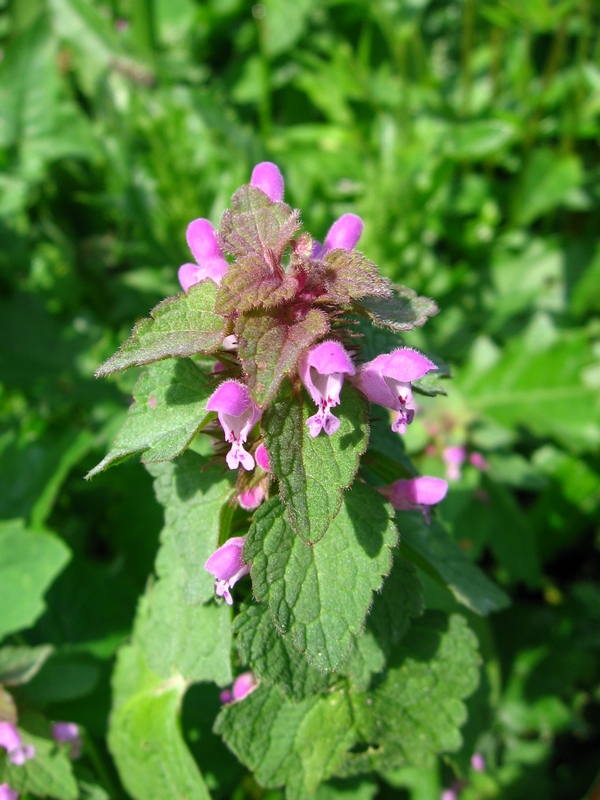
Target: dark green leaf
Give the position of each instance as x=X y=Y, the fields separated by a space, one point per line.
x=270 y=346
x=179 y=326
x=169 y=409
x=284 y=743
x=272 y=657
x=313 y=472
x=320 y=595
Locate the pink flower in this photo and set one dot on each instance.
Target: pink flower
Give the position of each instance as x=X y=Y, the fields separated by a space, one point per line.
x=10 y=740
x=416 y=493
x=386 y=381
x=454 y=457
x=68 y=733
x=6 y=793
x=228 y=566
x=251 y=498
x=267 y=177
x=211 y=263
x=242 y=686
x=262 y=457
x=237 y=414
x=322 y=370
x=478 y=762
x=478 y=461
x=344 y=233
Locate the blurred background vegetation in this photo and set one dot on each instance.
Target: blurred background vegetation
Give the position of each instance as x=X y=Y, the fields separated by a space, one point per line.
x=466 y=134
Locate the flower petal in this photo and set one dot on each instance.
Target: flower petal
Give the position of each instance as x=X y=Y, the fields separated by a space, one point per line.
x=267 y=177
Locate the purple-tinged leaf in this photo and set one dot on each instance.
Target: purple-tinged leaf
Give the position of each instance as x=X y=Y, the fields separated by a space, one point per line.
x=270 y=346
x=256 y=226
x=179 y=326
x=348 y=275
x=403 y=312
x=252 y=283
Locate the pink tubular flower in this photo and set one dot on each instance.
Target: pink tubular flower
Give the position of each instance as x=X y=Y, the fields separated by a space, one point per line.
x=228 y=566
x=478 y=461
x=267 y=177
x=6 y=793
x=242 y=686
x=237 y=414
x=416 y=493
x=251 y=498
x=344 y=233
x=322 y=370
x=211 y=263
x=10 y=740
x=262 y=457
x=454 y=457
x=386 y=381
x=68 y=733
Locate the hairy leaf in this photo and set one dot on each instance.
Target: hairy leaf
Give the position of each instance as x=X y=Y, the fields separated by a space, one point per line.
x=349 y=275
x=320 y=595
x=285 y=743
x=272 y=657
x=256 y=226
x=144 y=735
x=168 y=411
x=403 y=312
x=313 y=473
x=193 y=493
x=270 y=345
x=431 y=548
x=416 y=710
x=179 y=326
x=250 y=283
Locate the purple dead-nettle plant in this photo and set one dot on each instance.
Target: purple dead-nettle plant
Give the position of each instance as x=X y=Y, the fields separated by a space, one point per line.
x=322 y=370
x=416 y=493
x=237 y=414
x=228 y=566
x=210 y=261
x=11 y=741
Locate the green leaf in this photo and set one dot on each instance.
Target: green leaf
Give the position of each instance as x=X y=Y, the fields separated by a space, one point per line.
x=18 y=665
x=399 y=602
x=545 y=183
x=145 y=737
x=403 y=312
x=49 y=774
x=179 y=326
x=193 y=493
x=416 y=710
x=272 y=657
x=255 y=226
x=313 y=472
x=284 y=743
x=250 y=283
x=29 y=562
x=348 y=275
x=193 y=641
x=320 y=595
x=270 y=345
x=470 y=141
x=431 y=548
x=168 y=411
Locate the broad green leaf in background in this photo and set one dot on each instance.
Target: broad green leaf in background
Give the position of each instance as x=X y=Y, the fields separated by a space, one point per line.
x=314 y=472
x=193 y=494
x=542 y=386
x=273 y=657
x=431 y=548
x=144 y=735
x=470 y=141
x=285 y=743
x=270 y=346
x=545 y=184
x=405 y=311
x=320 y=595
x=416 y=710
x=193 y=641
x=29 y=562
x=179 y=326
x=169 y=409
x=49 y=774
x=19 y=664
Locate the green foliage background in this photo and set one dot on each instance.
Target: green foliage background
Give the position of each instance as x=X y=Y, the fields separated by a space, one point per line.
x=466 y=136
